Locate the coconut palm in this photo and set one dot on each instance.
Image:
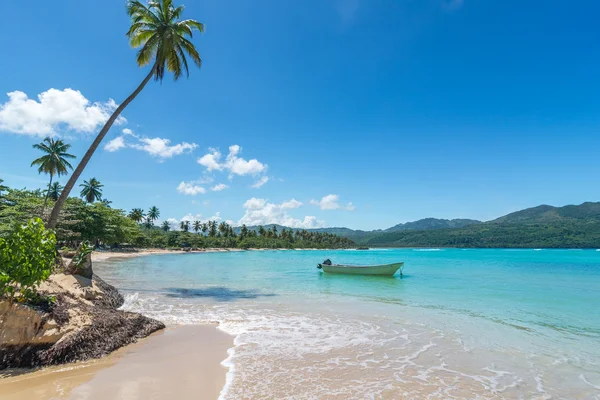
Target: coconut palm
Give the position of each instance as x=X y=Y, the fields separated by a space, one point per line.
x=197 y=225
x=156 y=28
x=148 y=223
x=54 y=161
x=184 y=225
x=212 y=228
x=166 y=226
x=92 y=190
x=204 y=228
x=153 y=213
x=137 y=215
x=2 y=187
x=54 y=191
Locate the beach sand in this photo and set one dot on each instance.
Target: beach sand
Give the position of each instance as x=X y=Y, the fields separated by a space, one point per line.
x=181 y=362
x=100 y=256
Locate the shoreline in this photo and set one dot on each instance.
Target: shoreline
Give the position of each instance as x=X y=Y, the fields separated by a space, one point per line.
x=100 y=256
x=182 y=361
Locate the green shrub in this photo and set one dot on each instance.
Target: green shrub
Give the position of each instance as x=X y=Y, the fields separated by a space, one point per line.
x=27 y=256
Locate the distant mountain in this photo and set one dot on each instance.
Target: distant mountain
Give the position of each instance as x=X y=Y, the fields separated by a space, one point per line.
x=548 y=214
x=572 y=226
x=432 y=223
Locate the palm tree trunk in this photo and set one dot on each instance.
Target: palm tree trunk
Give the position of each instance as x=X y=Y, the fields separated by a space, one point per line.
x=86 y=158
x=47 y=194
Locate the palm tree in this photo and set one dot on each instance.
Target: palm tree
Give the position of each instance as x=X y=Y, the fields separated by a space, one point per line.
x=204 y=228
x=148 y=223
x=261 y=231
x=163 y=38
x=54 y=161
x=92 y=190
x=153 y=213
x=212 y=228
x=137 y=215
x=54 y=191
x=2 y=187
x=166 y=226
x=184 y=225
x=197 y=225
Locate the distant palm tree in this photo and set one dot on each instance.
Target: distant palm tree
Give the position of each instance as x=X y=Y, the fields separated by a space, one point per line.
x=153 y=213
x=261 y=231
x=148 y=223
x=54 y=161
x=204 y=228
x=137 y=215
x=185 y=226
x=92 y=190
x=2 y=187
x=156 y=28
x=197 y=225
x=55 y=190
x=212 y=228
x=166 y=226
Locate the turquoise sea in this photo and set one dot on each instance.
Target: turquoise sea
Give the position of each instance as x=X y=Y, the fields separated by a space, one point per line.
x=522 y=324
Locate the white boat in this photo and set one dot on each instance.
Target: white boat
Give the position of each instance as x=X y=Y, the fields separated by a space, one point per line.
x=382 y=270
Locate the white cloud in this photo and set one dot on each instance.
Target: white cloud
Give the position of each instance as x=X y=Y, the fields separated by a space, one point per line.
x=54 y=109
x=159 y=147
x=293 y=203
x=331 y=202
x=218 y=187
x=115 y=144
x=211 y=160
x=216 y=217
x=190 y=189
x=261 y=212
x=233 y=163
x=156 y=147
x=260 y=182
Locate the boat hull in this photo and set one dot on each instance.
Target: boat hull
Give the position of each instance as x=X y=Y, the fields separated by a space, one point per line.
x=381 y=270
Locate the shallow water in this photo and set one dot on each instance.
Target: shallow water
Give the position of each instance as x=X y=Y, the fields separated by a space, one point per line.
x=459 y=324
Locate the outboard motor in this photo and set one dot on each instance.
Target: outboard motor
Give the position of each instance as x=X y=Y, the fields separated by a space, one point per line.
x=326 y=262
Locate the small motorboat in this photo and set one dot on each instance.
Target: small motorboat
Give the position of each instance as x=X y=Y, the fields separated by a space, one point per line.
x=382 y=270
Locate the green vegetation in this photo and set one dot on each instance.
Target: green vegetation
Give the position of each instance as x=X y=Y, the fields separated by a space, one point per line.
x=573 y=226
x=54 y=161
x=163 y=40
x=92 y=190
x=27 y=257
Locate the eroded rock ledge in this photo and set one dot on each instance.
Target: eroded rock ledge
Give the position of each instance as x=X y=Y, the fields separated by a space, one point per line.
x=83 y=323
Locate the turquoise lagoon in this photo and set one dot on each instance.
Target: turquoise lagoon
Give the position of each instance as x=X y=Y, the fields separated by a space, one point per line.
x=461 y=323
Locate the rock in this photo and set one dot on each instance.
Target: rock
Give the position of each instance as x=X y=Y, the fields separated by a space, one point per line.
x=83 y=323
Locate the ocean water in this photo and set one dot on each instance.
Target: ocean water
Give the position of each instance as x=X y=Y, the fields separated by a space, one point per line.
x=465 y=324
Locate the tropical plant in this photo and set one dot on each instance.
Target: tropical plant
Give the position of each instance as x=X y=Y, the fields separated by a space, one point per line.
x=153 y=213
x=26 y=259
x=185 y=226
x=212 y=228
x=163 y=38
x=137 y=215
x=81 y=256
x=54 y=191
x=2 y=187
x=54 y=161
x=149 y=223
x=166 y=226
x=204 y=228
x=92 y=190
x=197 y=226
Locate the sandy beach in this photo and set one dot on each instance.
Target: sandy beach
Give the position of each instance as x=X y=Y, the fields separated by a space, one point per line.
x=181 y=362
x=108 y=255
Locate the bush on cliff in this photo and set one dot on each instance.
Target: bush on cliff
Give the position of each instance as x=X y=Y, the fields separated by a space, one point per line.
x=27 y=257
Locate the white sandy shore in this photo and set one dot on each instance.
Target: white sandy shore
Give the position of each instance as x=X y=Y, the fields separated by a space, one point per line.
x=181 y=362
x=107 y=255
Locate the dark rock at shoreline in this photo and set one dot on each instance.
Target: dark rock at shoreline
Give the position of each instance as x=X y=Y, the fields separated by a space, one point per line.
x=82 y=324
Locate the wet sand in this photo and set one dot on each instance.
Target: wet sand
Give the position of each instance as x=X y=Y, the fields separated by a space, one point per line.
x=182 y=362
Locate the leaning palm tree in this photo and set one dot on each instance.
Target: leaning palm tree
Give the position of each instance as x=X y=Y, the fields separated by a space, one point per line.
x=136 y=214
x=166 y=226
x=92 y=190
x=54 y=161
x=54 y=191
x=153 y=213
x=156 y=28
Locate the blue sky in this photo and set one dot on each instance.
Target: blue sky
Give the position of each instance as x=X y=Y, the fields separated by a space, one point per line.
x=358 y=113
